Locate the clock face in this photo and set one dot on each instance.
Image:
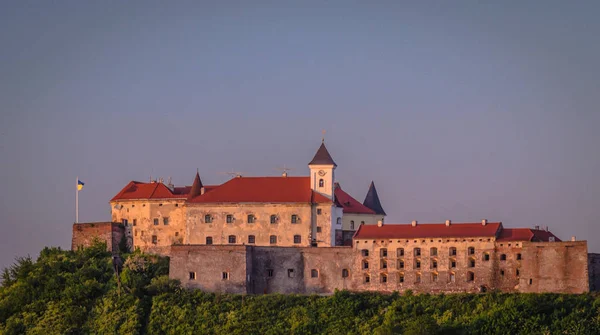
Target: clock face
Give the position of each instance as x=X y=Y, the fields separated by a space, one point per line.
x=322 y=173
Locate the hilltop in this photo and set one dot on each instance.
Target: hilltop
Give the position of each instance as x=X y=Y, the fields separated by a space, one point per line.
x=76 y=292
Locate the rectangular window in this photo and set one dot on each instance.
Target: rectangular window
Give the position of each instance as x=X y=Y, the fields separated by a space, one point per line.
x=294 y=218
x=318 y=211
x=518 y=255
x=134 y=222
x=365 y=253
x=232 y=239
x=225 y=276
x=273 y=239
x=314 y=273
x=417 y=264
x=433 y=264
x=269 y=272
x=192 y=275
x=166 y=221
x=273 y=219
x=291 y=273
x=229 y=218
x=400 y=252
x=251 y=239
x=297 y=239
x=417 y=251
x=124 y=221
x=400 y=264
x=383 y=252
x=401 y=278
x=418 y=278
x=208 y=239
x=156 y=221
x=453 y=264
x=318 y=229
x=250 y=218
x=207 y=218
x=154 y=239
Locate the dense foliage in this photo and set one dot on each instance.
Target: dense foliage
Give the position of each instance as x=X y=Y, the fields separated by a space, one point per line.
x=67 y=292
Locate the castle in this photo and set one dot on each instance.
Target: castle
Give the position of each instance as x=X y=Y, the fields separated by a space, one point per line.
x=307 y=235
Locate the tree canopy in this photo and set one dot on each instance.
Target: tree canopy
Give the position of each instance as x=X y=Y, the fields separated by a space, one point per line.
x=77 y=292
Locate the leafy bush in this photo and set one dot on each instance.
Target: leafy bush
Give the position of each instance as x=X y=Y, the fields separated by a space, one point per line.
x=77 y=292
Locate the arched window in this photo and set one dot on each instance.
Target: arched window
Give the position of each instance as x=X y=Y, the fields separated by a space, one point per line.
x=471 y=262
x=351 y=224
x=321 y=182
x=273 y=218
x=232 y=239
x=339 y=220
x=345 y=273
x=207 y=218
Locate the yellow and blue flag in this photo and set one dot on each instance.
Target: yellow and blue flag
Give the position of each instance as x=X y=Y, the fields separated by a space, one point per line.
x=79 y=185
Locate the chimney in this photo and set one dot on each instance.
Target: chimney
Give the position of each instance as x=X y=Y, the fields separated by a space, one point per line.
x=414 y=223
x=547 y=229
x=448 y=222
x=536 y=227
x=284 y=174
x=573 y=239
x=379 y=223
x=202 y=190
x=483 y=222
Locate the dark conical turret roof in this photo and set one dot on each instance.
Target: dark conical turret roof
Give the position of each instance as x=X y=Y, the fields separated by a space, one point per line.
x=372 y=200
x=322 y=157
x=196 y=187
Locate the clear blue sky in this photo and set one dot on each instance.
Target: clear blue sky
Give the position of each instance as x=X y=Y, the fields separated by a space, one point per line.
x=456 y=109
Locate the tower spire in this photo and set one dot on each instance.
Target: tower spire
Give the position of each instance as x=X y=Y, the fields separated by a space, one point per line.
x=196 y=186
x=372 y=200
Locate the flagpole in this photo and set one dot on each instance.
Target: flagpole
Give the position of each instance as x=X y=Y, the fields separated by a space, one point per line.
x=77 y=200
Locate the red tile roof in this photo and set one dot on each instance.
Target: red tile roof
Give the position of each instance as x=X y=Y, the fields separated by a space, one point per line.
x=349 y=204
x=138 y=190
x=428 y=230
x=263 y=189
x=526 y=234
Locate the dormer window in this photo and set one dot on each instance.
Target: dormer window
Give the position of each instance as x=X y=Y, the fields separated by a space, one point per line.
x=321 y=183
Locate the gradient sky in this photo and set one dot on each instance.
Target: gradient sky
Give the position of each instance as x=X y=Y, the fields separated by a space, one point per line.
x=456 y=109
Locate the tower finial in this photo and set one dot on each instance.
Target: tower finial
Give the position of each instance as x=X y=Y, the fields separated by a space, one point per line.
x=323 y=138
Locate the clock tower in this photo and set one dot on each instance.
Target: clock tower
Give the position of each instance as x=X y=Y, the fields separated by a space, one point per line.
x=322 y=172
